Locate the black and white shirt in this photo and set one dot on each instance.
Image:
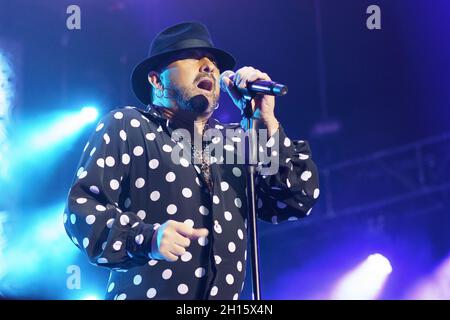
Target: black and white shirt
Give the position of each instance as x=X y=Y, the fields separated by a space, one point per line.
x=127 y=185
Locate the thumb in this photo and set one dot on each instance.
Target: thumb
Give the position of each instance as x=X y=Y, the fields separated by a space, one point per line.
x=198 y=233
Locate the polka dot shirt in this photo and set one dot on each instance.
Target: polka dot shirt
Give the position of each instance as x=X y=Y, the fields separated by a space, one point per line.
x=127 y=185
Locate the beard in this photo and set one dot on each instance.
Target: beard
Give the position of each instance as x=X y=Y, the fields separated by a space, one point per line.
x=189 y=100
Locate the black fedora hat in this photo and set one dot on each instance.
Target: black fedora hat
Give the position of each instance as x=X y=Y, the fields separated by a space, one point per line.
x=174 y=39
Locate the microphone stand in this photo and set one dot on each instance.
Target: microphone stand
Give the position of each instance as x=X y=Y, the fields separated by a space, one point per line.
x=252 y=218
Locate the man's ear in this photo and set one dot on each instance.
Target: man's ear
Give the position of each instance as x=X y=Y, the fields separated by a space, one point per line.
x=155 y=80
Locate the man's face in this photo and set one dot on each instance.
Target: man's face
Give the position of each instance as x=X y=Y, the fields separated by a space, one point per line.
x=192 y=73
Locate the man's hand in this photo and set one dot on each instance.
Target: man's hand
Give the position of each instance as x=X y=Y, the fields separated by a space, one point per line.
x=262 y=105
x=172 y=238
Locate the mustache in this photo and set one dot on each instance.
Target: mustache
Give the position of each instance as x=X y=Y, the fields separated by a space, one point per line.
x=205 y=75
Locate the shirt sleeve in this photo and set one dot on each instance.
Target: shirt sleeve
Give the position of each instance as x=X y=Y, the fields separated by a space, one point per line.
x=292 y=187
x=109 y=236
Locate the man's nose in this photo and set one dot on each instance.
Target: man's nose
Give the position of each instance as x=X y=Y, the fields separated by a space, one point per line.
x=207 y=66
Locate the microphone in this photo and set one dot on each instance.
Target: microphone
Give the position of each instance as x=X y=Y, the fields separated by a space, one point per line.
x=259 y=86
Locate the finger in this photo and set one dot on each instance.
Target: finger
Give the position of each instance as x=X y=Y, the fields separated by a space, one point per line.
x=182 y=241
x=170 y=257
x=258 y=76
x=183 y=229
x=177 y=250
x=198 y=233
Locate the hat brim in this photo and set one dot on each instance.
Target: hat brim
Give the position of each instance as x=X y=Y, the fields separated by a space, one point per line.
x=139 y=78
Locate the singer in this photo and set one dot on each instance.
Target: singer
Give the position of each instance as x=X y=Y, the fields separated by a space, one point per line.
x=178 y=231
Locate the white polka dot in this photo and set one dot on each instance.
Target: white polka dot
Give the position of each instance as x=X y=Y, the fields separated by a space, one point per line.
x=152 y=262
x=217 y=227
x=230 y=279
x=214 y=291
x=182 y=289
x=106 y=138
x=309 y=212
x=99 y=127
x=203 y=210
x=228 y=147
x=303 y=156
x=224 y=186
x=167 y=274
x=231 y=247
x=236 y=296
x=270 y=143
x=109 y=223
x=217 y=259
x=140 y=182
x=121 y=296
x=159 y=129
x=141 y=214
x=167 y=148
x=137 y=279
x=216 y=199
x=197 y=180
x=82 y=175
x=200 y=272
x=125 y=158
x=117 y=245
x=237 y=172
x=85 y=242
x=123 y=135
x=135 y=123
x=274 y=219
x=170 y=176
x=100 y=207
x=81 y=200
x=189 y=222
x=139 y=239
x=187 y=193
x=239 y=266
x=218 y=126
x=153 y=164
x=228 y=215
x=110 y=161
x=92 y=151
x=90 y=219
x=150 y=136
x=281 y=205
x=114 y=184
x=151 y=293
x=138 y=151
x=306 y=175
x=292 y=218
x=184 y=162
x=238 y=202
x=185 y=257
x=287 y=142
x=65 y=218
x=171 y=209
x=101 y=162
x=111 y=287
x=154 y=196
x=203 y=241
x=124 y=219
x=102 y=260
x=240 y=234
x=118 y=115
x=215 y=140
x=316 y=193
x=94 y=189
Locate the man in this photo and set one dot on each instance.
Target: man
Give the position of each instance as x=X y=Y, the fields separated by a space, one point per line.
x=171 y=230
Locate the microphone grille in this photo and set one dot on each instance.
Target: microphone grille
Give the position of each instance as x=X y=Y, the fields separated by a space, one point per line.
x=228 y=74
